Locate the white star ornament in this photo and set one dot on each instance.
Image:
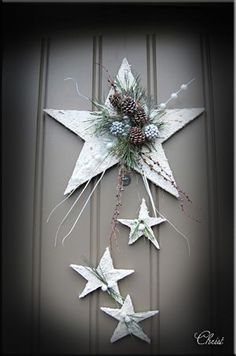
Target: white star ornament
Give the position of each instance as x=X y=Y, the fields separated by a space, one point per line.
x=128 y=320
x=104 y=277
x=142 y=226
x=95 y=155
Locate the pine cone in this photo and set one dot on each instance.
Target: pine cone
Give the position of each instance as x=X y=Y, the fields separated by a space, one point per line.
x=115 y=100
x=140 y=117
x=128 y=106
x=136 y=136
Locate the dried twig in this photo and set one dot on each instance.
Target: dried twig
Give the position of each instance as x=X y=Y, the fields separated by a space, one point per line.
x=166 y=176
x=119 y=189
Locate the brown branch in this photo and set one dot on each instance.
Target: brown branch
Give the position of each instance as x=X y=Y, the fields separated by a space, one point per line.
x=109 y=79
x=119 y=189
x=168 y=178
x=164 y=174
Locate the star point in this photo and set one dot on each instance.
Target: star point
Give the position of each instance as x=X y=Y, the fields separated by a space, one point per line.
x=105 y=276
x=128 y=320
x=142 y=225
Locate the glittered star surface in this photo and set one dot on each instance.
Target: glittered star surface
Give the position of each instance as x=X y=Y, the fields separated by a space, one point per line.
x=94 y=157
x=104 y=277
x=128 y=320
x=142 y=226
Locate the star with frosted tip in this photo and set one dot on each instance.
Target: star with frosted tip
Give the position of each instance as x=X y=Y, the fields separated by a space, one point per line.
x=128 y=320
x=143 y=225
x=95 y=156
x=105 y=276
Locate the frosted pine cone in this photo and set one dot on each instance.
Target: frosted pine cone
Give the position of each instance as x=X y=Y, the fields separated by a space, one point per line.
x=136 y=136
x=117 y=128
x=151 y=132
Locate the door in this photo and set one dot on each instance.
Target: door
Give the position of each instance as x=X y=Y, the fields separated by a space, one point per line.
x=167 y=46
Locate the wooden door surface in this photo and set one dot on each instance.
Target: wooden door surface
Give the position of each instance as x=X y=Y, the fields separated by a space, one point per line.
x=167 y=46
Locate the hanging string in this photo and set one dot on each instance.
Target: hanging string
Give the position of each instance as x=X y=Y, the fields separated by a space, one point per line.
x=149 y=193
x=55 y=240
x=57 y=206
x=177 y=230
x=75 y=202
x=85 y=204
x=146 y=184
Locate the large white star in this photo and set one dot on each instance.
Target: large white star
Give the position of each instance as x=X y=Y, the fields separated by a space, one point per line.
x=128 y=320
x=104 y=277
x=94 y=157
x=142 y=226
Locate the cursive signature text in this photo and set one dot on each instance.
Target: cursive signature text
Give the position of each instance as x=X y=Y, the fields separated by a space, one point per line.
x=206 y=337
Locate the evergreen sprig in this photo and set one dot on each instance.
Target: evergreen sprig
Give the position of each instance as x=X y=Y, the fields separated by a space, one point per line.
x=132 y=89
x=127 y=153
x=102 y=278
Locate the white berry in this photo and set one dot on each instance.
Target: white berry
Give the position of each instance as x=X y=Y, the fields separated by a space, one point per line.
x=104 y=288
x=162 y=106
x=141 y=227
x=174 y=95
x=109 y=145
x=184 y=87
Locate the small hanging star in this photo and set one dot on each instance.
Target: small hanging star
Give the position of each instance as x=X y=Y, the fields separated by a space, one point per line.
x=142 y=226
x=128 y=320
x=104 y=277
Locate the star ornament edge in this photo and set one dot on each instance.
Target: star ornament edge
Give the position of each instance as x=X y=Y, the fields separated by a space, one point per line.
x=128 y=320
x=143 y=218
x=108 y=274
x=94 y=157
